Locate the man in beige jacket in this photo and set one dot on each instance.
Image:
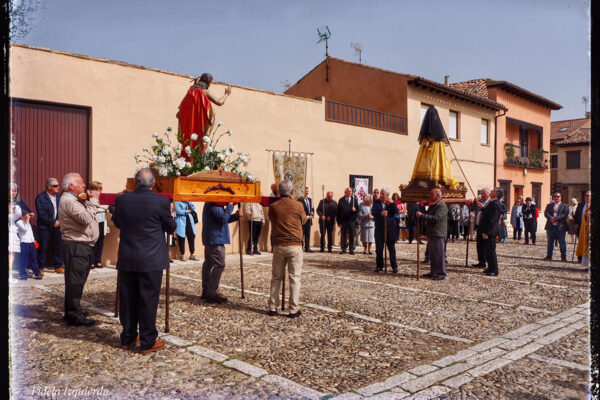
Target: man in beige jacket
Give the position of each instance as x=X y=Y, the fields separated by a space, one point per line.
x=79 y=230
x=256 y=220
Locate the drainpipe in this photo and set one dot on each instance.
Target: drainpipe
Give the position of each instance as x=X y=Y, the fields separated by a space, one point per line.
x=496 y=143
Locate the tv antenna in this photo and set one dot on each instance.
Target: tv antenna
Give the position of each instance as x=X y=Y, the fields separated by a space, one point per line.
x=357 y=50
x=585 y=103
x=324 y=34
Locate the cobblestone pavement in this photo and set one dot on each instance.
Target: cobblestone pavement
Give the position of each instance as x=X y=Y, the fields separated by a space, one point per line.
x=523 y=334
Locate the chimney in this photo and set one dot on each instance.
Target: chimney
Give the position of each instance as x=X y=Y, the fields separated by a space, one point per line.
x=447 y=80
x=588 y=114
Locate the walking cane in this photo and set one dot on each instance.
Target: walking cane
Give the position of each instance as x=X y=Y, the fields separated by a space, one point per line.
x=418 y=249
x=322 y=222
x=117 y=294
x=167 y=295
x=241 y=252
x=385 y=244
x=574 y=248
x=283 y=291
x=468 y=237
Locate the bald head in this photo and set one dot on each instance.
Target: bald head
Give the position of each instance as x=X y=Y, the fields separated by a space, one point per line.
x=144 y=178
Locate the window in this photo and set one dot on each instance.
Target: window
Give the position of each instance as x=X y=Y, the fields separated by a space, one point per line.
x=536 y=192
x=554 y=161
x=573 y=159
x=453 y=125
x=485 y=138
x=424 y=108
x=564 y=129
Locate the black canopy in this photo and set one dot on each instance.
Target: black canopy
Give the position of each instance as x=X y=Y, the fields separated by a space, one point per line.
x=432 y=127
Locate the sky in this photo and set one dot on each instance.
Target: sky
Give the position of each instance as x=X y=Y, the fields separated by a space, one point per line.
x=540 y=45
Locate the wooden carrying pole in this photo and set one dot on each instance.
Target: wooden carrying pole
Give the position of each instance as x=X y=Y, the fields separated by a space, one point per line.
x=167 y=293
x=283 y=291
x=241 y=255
x=385 y=244
x=117 y=294
x=467 y=256
x=418 y=249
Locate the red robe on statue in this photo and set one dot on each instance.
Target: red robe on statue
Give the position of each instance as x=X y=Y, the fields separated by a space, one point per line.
x=195 y=116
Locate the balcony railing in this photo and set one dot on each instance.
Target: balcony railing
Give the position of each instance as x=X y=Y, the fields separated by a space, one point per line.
x=526 y=157
x=353 y=115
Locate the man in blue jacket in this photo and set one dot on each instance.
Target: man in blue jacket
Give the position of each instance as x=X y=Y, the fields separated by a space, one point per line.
x=215 y=235
x=143 y=218
x=46 y=205
x=384 y=209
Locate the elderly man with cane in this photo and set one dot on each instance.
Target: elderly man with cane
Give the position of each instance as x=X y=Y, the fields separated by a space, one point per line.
x=287 y=218
x=437 y=229
x=385 y=212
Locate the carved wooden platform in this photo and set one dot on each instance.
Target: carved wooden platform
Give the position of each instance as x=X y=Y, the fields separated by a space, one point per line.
x=207 y=186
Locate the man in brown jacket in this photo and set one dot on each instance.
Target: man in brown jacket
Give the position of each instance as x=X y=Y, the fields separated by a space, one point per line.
x=79 y=230
x=287 y=217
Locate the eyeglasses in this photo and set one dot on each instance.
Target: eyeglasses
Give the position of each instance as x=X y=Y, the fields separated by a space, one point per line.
x=556 y=197
x=57 y=185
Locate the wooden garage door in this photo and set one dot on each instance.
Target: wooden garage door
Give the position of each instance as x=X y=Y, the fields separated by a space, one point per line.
x=50 y=141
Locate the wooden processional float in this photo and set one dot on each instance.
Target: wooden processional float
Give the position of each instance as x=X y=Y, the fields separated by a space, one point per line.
x=207 y=186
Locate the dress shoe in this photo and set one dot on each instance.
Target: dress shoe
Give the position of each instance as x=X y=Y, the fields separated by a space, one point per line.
x=563 y=260
x=428 y=275
x=547 y=258
x=38 y=276
x=343 y=252
x=438 y=277
x=322 y=251
x=92 y=266
x=378 y=269
x=490 y=273
x=395 y=271
x=330 y=251
x=364 y=252
x=369 y=253
x=157 y=346
x=131 y=345
x=477 y=265
x=256 y=252
x=426 y=261
x=295 y=315
x=248 y=252
x=351 y=252
x=99 y=266
x=80 y=321
x=272 y=313
x=59 y=270
x=218 y=299
x=171 y=260
x=309 y=251
x=194 y=258
x=182 y=258
x=22 y=278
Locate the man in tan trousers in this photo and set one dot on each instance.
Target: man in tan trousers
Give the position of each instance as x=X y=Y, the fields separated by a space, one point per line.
x=287 y=217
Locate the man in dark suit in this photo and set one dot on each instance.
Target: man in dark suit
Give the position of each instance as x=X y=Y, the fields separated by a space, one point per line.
x=46 y=205
x=347 y=212
x=143 y=218
x=529 y=217
x=383 y=209
x=579 y=211
x=488 y=228
x=411 y=210
x=479 y=206
x=556 y=226
x=436 y=218
x=310 y=212
x=327 y=210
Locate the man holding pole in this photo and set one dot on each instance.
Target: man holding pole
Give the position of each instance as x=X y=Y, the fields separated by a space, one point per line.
x=437 y=229
x=143 y=218
x=216 y=218
x=385 y=212
x=287 y=218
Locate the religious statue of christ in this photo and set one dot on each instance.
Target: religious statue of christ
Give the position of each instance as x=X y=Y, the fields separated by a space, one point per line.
x=196 y=114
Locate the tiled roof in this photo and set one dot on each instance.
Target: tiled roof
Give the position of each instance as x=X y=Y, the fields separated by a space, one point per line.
x=581 y=136
x=560 y=130
x=479 y=87
x=476 y=87
x=464 y=95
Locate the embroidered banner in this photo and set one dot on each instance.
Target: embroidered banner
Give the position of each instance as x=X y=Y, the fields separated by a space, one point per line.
x=361 y=188
x=292 y=168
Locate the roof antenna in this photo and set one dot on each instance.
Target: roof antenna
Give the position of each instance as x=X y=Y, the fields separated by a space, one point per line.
x=357 y=50
x=325 y=34
x=585 y=103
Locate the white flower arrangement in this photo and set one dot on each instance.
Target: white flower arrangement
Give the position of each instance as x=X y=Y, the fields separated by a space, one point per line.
x=170 y=160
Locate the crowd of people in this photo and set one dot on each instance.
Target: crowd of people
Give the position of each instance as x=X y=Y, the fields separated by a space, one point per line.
x=74 y=223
